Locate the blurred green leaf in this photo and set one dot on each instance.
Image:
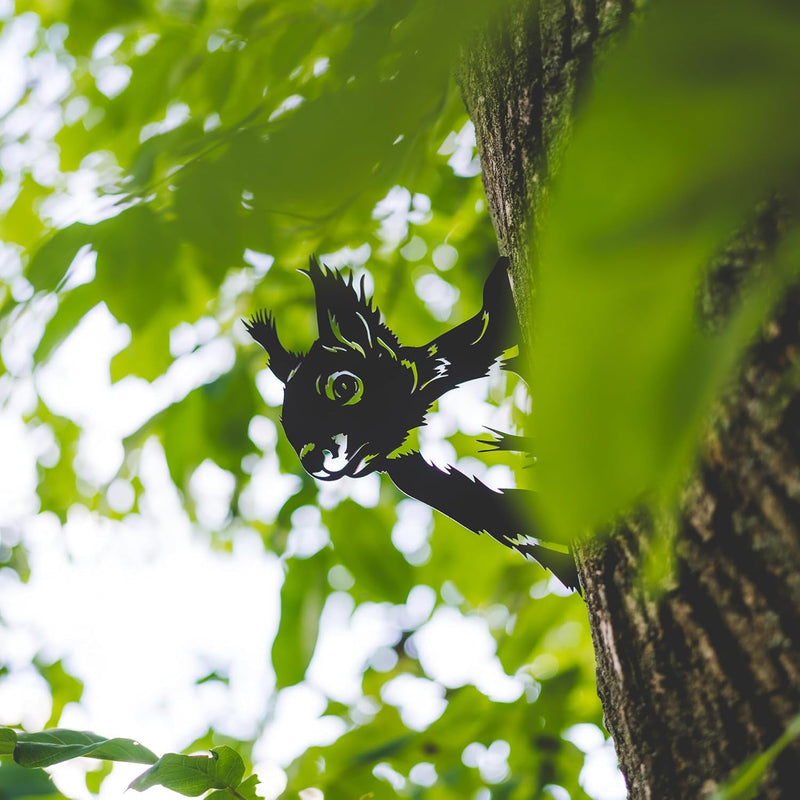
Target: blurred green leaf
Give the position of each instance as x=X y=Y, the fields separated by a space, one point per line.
x=136 y=249
x=16 y=558
x=72 y=307
x=94 y=777
x=349 y=761
x=88 y=20
x=58 y=484
x=208 y=207
x=8 y=741
x=454 y=553
x=21 y=224
x=305 y=589
x=51 y=260
x=692 y=122
x=209 y=423
x=17 y=783
x=361 y=543
x=746 y=779
x=64 y=687
x=246 y=789
x=537 y=752
x=310 y=162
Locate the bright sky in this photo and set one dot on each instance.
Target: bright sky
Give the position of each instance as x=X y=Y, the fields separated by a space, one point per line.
x=125 y=604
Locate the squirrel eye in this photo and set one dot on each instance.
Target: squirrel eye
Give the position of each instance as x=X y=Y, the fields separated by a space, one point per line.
x=344 y=388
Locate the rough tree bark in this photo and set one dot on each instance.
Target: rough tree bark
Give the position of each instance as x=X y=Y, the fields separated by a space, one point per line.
x=705 y=672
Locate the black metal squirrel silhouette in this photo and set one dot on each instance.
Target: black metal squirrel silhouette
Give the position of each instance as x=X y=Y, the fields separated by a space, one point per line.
x=352 y=399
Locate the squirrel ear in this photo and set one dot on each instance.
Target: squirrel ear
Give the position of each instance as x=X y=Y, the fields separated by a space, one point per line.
x=344 y=315
x=261 y=327
x=472 y=347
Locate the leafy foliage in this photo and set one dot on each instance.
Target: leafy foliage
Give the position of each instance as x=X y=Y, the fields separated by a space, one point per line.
x=173 y=163
x=676 y=148
x=222 y=770
x=746 y=780
x=220 y=147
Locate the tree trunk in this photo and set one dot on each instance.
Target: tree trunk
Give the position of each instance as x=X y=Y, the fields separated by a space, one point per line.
x=705 y=672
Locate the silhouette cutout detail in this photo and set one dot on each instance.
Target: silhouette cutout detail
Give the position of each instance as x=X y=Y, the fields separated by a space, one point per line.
x=352 y=399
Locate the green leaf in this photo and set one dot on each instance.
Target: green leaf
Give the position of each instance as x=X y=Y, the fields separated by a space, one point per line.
x=64 y=687
x=137 y=248
x=147 y=355
x=746 y=779
x=52 y=747
x=193 y=775
x=677 y=146
x=18 y=783
x=20 y=223
x=57 y=485
x=72 y=307
x=94 y=777
x=88 y=21
x=193 y=429
x=362 y=543
x=209 y=212
x=8 y=741
x=351 y=139
x=50 y=262
x=246 y=789
x=348 y=763
x=303 y=595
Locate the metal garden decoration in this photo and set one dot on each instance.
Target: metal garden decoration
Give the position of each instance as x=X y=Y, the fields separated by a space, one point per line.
x=352 y=399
